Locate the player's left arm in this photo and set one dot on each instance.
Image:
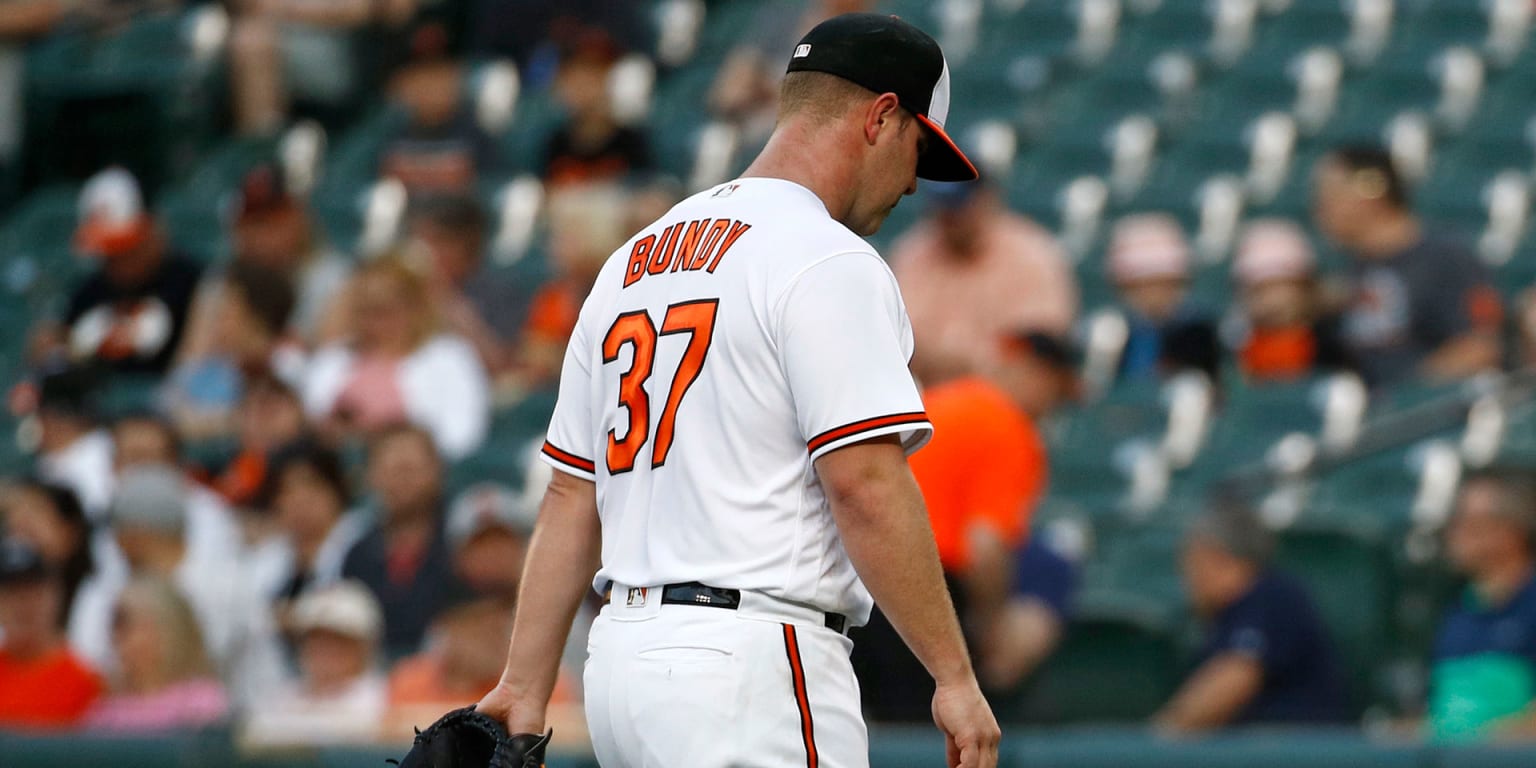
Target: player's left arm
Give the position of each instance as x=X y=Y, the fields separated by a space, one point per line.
x=562 y=557
x=1214 y=695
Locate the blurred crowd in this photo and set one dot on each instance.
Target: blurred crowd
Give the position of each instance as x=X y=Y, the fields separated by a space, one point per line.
x=319 y=578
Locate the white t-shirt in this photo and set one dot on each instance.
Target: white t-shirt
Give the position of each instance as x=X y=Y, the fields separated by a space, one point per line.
x=722 y=350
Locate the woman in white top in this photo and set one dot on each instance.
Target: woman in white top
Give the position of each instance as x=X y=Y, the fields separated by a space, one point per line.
x=398 y=366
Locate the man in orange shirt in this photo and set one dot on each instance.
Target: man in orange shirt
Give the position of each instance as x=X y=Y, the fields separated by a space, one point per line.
x=42 y=684
x=981 y=476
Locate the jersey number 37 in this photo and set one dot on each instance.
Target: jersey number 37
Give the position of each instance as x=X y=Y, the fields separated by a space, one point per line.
x=695 y=318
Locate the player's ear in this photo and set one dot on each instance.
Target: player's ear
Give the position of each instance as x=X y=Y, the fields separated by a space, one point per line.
x=883 y=111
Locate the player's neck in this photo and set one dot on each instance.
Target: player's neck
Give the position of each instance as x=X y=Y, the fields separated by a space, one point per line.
x=800 y=153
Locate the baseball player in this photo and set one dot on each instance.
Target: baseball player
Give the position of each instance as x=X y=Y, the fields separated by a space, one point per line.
x=730 y=441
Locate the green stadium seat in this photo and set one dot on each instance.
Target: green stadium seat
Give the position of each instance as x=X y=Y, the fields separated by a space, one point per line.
x=1349 y=574
x=194 y=211
x=1083 y=453
x=1119 y=662
x=1256 y=416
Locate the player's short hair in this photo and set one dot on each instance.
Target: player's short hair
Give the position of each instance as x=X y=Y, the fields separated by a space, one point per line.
x=819 y=95
x=1371 y=164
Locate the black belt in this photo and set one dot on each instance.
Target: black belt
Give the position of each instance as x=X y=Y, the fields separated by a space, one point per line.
x=694 y=593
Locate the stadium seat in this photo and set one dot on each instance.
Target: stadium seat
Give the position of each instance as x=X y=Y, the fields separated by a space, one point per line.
x=1349 y=574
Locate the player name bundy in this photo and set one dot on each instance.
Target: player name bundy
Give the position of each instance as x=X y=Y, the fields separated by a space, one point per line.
x=683 y=246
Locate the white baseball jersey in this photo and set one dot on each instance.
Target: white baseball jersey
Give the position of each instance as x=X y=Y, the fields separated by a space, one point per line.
x=722 y=350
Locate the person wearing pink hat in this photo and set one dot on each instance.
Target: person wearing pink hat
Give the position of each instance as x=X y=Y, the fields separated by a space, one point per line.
x=1282 y=331
x=1148 y=263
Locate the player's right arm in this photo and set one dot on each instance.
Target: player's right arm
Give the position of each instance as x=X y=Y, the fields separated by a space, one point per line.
x=884 y=527
x=844 y=342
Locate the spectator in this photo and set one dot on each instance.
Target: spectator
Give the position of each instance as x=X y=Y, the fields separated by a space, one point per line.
x=441 y=149
x=586 y=225
x=1423 y=306
x=1148 y=261
x=476 y=302
x=48 y=518
x=272 y=229
x=146 y=440
x=1034 y=618
x=303 y=49
x=404 y=559
x=981 y=476
x=1283 y=332
x=1484 y=657
x=1525 y=330
x=250 y=328
x=130 y=313
x=149 y=514
x=591 y=145
x=488 y=530
x=972 y=272
x=164 y=680
x=308 y=498
x=1265 y=657
x=73 y=451
x=42 y=684
x=270 y=418
x=397 y=366
x=531 y=32
x=461 y=661
x=745 y=92
x=339 y=695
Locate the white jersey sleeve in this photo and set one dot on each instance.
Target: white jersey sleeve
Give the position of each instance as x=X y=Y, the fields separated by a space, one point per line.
x=571 y=446
x=844 y=342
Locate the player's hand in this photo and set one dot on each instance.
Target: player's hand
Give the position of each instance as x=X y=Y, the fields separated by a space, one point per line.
x=502 y=705
x=970 y=731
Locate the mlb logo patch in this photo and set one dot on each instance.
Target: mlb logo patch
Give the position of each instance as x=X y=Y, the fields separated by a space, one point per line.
x=726 y=190
x=803 y=50
x=635 y=597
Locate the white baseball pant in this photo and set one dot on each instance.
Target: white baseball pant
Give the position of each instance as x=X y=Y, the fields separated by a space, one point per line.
x=766 y=685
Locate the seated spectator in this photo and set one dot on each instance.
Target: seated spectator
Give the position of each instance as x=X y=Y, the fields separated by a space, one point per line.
x=441 y=149
x=591 y=145
x=404 y=559
x=586 y=225
x=1266 y=657
x=308 y=498
x=476 y=303
x=397 y=366
x=149 y=516
x=488 y=530
x=49 y=519
x=972 y=272
x=164 y=681
x=129 y=314
x=73 y=450
x=339 y=695
x=251 y=322
x=146 y=440
x=745 y=91
x=304 y=50
x=463 y=658
x=1282 y=332
x=1483 y=668
x=1148 y=262
x=981 y=475
x=42 y=684
x=270 y=418
x=1033 y=620
x=1423 y=306
x=272 y=229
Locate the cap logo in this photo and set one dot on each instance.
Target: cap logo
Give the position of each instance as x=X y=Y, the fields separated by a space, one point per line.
x=802 y=50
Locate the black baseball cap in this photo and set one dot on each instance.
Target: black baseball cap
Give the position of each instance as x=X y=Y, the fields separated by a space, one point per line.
x=888 y=55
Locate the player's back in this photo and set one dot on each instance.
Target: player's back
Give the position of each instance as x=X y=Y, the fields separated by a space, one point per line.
x=703 y=379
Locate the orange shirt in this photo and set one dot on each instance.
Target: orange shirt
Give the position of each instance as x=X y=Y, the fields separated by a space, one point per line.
x=985 y=465
x=553 y=314
x=1280 y=353
x=52 y=691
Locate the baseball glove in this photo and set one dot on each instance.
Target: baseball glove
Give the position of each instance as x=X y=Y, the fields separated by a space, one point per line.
x=465 y=738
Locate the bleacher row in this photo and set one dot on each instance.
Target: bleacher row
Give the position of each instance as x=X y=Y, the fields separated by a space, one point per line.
x=1081 y=110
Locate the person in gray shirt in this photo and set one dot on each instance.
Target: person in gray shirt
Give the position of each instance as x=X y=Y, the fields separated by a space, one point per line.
x=1421 y=306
